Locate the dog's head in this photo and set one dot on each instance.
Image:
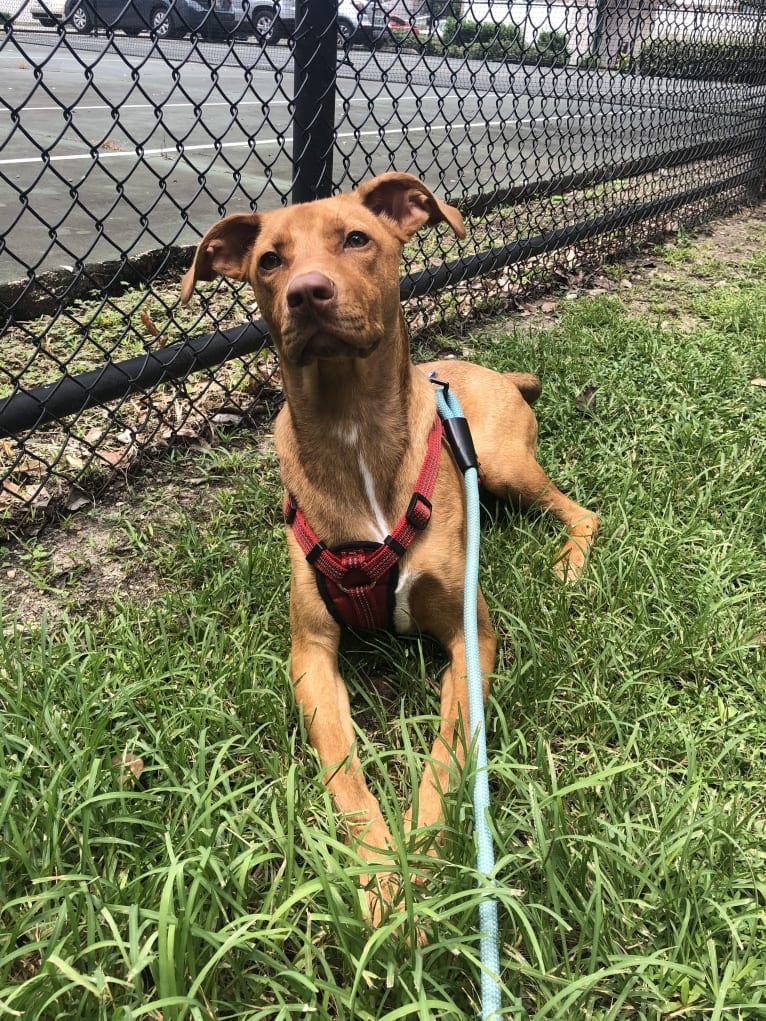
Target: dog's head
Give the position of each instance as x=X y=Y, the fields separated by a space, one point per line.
x=326 y=273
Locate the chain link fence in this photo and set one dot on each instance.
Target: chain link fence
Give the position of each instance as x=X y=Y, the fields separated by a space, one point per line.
x=565 y=131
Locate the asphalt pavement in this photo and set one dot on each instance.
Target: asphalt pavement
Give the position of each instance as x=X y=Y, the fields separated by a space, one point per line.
x=119 y=146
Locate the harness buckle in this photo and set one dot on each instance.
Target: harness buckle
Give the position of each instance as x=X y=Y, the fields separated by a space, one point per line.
x=316 y=552
x=291 y=509
x=418 y=514
x=394 y=545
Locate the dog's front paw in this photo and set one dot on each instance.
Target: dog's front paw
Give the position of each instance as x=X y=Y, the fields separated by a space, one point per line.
x=571 y=559
x=383 y=892
x=384 y=895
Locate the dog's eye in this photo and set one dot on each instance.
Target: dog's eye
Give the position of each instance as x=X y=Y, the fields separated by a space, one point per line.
x=269 y=260
x=356 y=239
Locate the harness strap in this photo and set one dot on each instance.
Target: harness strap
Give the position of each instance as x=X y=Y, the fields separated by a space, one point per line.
x=393 y=547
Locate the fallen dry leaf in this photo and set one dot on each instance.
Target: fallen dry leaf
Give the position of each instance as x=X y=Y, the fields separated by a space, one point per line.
x=31 y=466
x=146 y=319
x=227 y=418
x=77 y=499
x=586 y=401
x=152 y=329
x=41 y=498
x=93 y=436
x=114 y=457
x=134 y=767
x=15 y=490
x=758 y=381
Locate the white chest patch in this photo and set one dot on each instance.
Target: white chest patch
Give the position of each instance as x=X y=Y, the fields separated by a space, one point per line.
x=369 y=488
x=403 y=623
x=378 y=526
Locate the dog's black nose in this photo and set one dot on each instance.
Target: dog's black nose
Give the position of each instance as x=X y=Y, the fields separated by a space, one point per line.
x=310 y=289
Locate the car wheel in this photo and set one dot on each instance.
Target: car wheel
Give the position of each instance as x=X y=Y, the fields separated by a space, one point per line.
x=265 y=24
x=346 y=33
x=82 y=19
x=160 y=22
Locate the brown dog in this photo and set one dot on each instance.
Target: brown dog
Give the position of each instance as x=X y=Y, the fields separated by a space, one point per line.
x=351 y=439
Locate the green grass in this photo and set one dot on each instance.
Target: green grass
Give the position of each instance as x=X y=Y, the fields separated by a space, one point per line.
x=626 y=730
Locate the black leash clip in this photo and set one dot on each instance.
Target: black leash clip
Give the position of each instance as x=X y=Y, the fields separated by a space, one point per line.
x=433 y=378
x=458 y=433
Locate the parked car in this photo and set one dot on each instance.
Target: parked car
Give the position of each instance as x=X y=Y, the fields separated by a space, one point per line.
x=213 y=19
x=48 y=12
x=403 y=32
x=359 y=21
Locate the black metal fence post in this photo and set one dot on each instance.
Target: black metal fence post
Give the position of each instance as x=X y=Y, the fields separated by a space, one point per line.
x=316 y=58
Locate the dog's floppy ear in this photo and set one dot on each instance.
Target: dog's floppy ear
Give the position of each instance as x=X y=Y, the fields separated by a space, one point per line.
x=224 y=251
x=404 y=199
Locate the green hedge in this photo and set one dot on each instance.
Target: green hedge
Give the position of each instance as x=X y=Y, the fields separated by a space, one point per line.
x=505 y=43
x=706 y=61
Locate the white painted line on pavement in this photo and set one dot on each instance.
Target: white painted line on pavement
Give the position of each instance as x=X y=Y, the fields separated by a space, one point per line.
x=168 y=150
x=163 y=106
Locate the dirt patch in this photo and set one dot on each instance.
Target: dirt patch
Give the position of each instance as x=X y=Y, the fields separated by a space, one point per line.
x=80 y=564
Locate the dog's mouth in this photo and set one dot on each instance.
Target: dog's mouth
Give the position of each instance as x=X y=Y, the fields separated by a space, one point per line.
x=324 y=345
x=302 y=347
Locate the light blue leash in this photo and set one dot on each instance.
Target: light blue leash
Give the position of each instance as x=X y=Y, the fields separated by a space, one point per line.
x=457 y=432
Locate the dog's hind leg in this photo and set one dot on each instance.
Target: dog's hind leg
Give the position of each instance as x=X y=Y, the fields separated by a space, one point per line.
x=516 y=476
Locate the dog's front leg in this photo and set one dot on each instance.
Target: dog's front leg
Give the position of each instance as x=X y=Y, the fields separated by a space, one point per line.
x=449 y=748
x=321 y=695
x=322 y=698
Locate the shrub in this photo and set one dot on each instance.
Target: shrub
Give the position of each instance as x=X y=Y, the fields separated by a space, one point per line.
x=487 y=40
x=477 y=40
x=551 y=49
x=702 y=60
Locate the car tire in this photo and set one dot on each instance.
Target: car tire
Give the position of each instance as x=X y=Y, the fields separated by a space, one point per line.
x=266 y=25
x=278 y=32
x=346 y=33
x=161 y=24
x=81 y=18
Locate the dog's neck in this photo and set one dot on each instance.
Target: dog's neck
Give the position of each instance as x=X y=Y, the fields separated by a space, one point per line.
x=349 y=430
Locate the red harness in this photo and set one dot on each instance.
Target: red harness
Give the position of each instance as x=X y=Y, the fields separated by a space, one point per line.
x=358 y=580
